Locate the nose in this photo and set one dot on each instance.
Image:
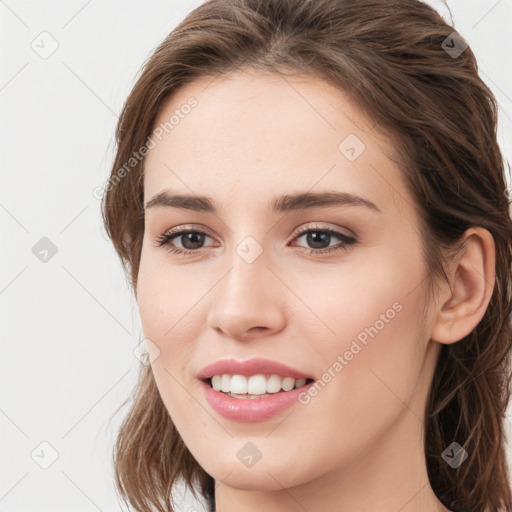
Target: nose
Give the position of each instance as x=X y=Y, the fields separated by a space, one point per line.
x=248 y=301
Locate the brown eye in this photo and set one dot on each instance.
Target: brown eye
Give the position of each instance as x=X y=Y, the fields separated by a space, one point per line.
x=191 y=241
x=319 y=240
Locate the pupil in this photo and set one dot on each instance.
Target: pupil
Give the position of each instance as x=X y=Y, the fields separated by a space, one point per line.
x=189 y=237
x=316 y=237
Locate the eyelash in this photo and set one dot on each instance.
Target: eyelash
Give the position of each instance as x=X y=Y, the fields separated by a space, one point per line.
x=166 y=238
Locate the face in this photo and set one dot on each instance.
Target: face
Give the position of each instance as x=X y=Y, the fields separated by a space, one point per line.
x=333 y=289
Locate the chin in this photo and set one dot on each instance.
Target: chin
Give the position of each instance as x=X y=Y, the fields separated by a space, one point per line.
x=247 y=480
x=260 y=477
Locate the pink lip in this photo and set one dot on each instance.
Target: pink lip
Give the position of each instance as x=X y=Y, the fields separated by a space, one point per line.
x=249 y=409
x=250 y=367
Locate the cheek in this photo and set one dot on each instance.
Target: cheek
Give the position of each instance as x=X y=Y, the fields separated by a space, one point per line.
x=376 y=360
x=376 y=346
x=371 y=372
x=358 y=301
x=168 y=316
x=168 y=306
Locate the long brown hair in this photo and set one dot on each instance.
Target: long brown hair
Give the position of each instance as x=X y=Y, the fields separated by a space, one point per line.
x=404 y=67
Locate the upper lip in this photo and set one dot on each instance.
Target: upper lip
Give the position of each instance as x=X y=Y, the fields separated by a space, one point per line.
x=250 y=367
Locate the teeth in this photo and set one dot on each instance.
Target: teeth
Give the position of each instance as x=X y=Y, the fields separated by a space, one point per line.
x=256 y=385
x=234 y=395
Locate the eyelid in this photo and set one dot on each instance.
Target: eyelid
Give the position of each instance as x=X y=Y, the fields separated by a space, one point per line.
x=318 y=226
x=188 y=227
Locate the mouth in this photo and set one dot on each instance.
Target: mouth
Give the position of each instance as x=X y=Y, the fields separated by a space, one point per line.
x=255 y=386
x=255 y=397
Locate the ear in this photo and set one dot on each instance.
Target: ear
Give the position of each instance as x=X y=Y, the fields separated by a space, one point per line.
x=462 y=303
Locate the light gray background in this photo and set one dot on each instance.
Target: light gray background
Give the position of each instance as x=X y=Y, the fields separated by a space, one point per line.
x=69 y=325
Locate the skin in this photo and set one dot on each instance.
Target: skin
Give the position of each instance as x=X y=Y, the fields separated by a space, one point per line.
x=358 y=444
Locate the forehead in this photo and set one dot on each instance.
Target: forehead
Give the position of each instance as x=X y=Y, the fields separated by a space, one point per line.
x=250 y=135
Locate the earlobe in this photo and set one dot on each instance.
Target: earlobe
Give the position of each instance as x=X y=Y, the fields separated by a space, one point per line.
x=462 y=303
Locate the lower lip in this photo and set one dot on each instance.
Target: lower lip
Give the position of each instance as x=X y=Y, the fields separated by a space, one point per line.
x=251 y=409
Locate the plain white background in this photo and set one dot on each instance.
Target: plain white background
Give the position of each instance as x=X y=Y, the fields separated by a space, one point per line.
x=69 y=325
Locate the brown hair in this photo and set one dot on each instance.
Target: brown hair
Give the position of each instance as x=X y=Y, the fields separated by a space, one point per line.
x=393 y=60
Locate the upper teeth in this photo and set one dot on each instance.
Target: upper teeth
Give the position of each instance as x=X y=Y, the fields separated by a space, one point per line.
x=254 y=385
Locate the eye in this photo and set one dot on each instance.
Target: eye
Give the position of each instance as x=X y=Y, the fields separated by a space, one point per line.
x=320 y=238
x=190 y=240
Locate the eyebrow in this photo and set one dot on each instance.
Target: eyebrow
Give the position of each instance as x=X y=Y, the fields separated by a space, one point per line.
x=285 y=203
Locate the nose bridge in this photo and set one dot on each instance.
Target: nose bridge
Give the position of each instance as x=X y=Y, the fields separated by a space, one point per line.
x=242 y=287
x=246 y=297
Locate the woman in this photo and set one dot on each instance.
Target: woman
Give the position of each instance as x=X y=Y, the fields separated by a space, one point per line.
x=310 y=201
